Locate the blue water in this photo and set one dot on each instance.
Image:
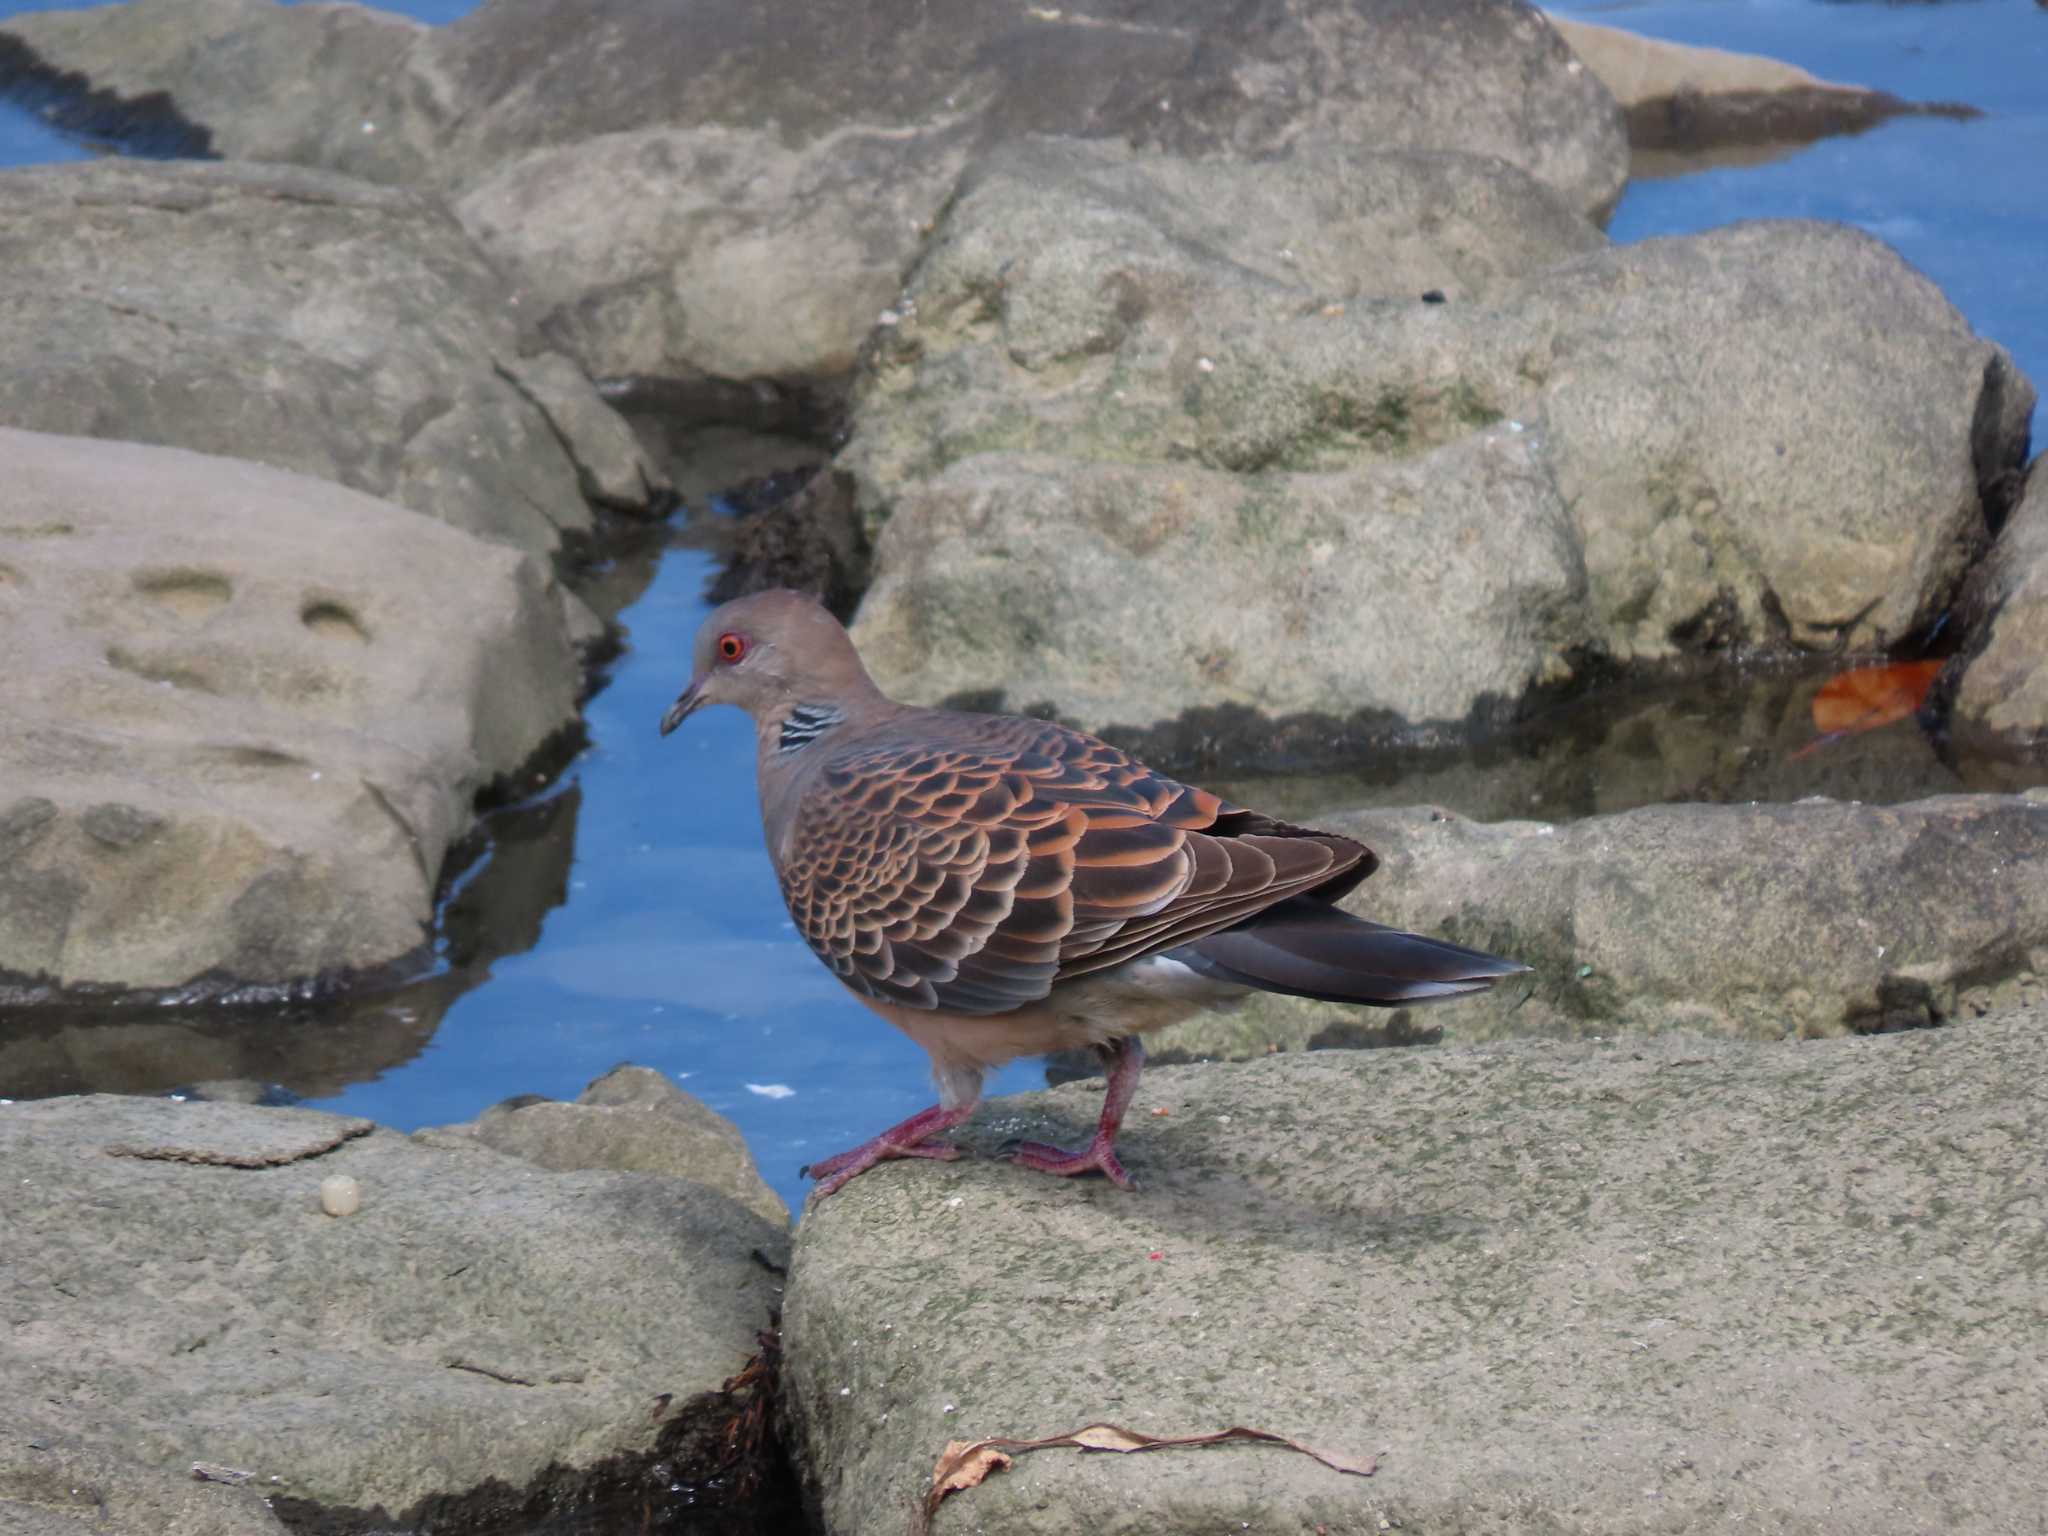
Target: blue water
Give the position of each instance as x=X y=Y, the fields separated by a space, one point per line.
x=667 y=943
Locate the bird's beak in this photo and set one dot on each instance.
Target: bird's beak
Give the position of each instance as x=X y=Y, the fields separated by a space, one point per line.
x=685 y=705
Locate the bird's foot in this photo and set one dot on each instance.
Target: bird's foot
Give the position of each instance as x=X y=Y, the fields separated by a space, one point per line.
x=1099 y=1156
x=833 y=1172
x=910 y=1139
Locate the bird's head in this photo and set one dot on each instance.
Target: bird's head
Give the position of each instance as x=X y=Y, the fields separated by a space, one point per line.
x=769 y=653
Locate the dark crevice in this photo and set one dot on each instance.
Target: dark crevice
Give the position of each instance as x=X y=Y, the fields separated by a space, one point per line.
x=1998 y=455
x=807 y=537
x=661 y=409
x=149 y=126
x=717 y=1468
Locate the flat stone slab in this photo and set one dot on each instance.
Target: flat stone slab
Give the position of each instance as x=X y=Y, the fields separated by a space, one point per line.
x=1672 y=1284
x=241 y=1136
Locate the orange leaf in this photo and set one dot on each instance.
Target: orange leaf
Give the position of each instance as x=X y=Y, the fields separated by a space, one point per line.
x=964 y=1465
x=1869 y=697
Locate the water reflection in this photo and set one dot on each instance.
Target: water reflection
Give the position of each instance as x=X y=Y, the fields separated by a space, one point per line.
x=268 y=1055
x=1737 y=735
x=284 y=1053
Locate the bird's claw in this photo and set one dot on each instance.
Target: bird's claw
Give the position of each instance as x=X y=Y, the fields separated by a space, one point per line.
x=833 y=1172
x=1099 y=1156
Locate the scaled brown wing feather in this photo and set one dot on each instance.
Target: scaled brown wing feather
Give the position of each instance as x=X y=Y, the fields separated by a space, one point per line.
x=971 y=873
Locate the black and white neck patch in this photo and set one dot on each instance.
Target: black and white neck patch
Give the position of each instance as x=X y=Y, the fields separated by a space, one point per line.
x=805 y=724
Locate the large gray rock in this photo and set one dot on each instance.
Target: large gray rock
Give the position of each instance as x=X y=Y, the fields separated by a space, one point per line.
x=1118 y=592
x=2004 y=691
x=176 y=1295
x=1674 y=1285
x=633 y=1120
x=1776 y=435
x=712 y=251
x=308 y=84
x=1813 y=919
x=1774 y=432
x=759 y=217
x=302 y=319
x=1213 y=77
x=736 y=189
x=245 y=718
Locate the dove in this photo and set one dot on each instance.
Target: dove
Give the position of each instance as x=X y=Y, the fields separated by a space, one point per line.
x=998 y=886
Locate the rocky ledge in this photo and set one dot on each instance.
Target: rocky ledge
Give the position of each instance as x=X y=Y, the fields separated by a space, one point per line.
x=1817 y=918
x=1664 y=1284
x=214 y=1308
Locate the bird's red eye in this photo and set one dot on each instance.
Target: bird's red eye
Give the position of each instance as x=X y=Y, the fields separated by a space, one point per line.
x=731 y=647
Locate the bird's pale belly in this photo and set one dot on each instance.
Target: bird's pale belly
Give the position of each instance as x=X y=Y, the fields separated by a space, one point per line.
x=1086 y=1011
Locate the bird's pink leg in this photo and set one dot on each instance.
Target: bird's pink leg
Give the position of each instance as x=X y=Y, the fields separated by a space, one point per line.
x=1125 y=1059
x=906 y=1140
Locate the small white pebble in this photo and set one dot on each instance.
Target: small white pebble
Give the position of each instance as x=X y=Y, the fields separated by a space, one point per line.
x=889 y=317
x=340 y=1195
x=1207 y=365
x=846 y=1391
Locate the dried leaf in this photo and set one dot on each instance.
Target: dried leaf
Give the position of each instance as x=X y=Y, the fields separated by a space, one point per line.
x=1869 y=697
x=1107 y=1437
x=965 y=1463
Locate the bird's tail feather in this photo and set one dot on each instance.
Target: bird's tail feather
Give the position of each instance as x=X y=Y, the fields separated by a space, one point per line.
x=1307 y=949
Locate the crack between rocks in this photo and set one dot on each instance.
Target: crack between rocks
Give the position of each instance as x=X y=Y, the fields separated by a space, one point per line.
x=484 y=1370
x=419 y=857
x=586 y=477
